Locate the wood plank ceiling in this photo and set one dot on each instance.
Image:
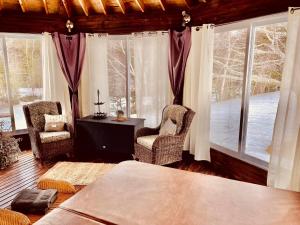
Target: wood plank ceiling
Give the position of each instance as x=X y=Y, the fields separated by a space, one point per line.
x=124 y=16
x=71 y=8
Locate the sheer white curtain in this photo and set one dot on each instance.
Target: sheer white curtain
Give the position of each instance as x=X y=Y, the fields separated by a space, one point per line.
x=197 y=90
x=94 y=75
x=55 y=87
x=152 y=85
x=284 y=167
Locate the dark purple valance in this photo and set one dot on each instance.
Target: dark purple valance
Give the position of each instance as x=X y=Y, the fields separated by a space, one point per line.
x=180 y=44
x=70 y=51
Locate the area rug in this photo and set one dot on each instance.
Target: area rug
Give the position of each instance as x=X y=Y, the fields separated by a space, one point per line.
x=65 y=176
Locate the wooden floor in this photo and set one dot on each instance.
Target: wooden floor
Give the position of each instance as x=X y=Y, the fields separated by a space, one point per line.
x=20 y=175
x=24 y=174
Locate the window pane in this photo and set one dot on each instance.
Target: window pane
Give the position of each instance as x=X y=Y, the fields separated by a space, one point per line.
x=117 y=75
x=5 y=118
x=132 y=82
x=269 y=55
x=25 y=74
x=228 y=72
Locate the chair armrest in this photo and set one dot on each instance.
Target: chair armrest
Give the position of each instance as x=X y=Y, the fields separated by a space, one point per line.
x=35 y=135
x=145 y=131
x=166 y=140
x=69 y=128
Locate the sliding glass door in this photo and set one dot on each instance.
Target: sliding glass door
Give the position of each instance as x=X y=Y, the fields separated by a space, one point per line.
x=20 y=77
x=248 y=63
x=267 y=65
x=5 y=114
x=229 y=55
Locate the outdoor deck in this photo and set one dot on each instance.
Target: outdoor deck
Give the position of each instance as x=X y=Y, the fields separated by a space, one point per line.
x=225 y=122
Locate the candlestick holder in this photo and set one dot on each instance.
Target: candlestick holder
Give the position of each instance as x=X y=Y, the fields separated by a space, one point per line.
x=99 y=115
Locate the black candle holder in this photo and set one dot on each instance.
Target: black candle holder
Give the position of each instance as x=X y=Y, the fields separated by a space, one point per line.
x=99 y=115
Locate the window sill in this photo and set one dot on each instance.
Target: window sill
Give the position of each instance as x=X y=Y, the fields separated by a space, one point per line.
x=18 y=132
x=243 y=157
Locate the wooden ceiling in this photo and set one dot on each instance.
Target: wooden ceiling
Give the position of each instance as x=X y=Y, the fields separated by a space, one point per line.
x=124 y=16
x=71 y=8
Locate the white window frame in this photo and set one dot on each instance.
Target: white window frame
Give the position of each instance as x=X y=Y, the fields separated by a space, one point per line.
x=3 y=37
x=250 y=25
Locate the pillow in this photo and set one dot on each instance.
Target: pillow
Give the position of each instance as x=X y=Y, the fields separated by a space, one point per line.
x=13 y=218
x=54 y=122
x=59 y=185
x=169 y=128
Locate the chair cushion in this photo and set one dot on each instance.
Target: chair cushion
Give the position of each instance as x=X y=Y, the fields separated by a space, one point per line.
x=37 y=111
x=169 y=128
x=9 y=217
x=47 y=137
x=176 y=114
x=55 y=122
x=147 y=141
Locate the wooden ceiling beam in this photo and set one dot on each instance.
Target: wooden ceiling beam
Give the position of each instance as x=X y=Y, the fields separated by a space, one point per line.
x=103 y=6
x=1 y=5
x=84 y=7
x=46 y=7
x=163 y=4
x=67 y=7
x=141 y=5
x=121 y=5
x=22 y=4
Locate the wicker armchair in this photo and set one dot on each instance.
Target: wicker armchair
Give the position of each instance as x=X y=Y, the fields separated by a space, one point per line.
x=164 y=149
x=46 y=145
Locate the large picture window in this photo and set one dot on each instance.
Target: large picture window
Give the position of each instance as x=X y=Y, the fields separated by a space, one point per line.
x=20 y=77
x=248 y=64
x=121 y=76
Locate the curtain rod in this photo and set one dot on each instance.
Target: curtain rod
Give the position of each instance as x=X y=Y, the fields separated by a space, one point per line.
x=147 y=32
x=293 y=9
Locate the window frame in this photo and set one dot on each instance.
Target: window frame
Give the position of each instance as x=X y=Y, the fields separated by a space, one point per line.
x=3 y=37
x=250 y=25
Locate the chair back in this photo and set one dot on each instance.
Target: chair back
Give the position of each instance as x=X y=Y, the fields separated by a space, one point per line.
x=34 y=113
x=175 y=113
x=188 y=118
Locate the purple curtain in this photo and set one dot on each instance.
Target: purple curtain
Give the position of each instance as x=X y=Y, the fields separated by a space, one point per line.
x=70 y=51
x=180 y=44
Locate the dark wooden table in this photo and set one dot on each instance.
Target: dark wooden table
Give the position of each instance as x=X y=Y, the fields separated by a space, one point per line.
x=96 y=136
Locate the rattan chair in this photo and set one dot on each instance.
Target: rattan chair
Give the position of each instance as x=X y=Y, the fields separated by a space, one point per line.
x=56 y=145
x=164 y=149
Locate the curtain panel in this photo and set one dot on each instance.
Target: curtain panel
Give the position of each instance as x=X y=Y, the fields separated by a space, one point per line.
x=55 y=86
x=284 y=166
x=70 y=51
x=152 y=86
x=94 y=75
x=197 y=90
x=180 y=44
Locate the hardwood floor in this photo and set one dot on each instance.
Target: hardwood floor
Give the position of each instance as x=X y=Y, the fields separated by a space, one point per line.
x=24 y=174
x=20 y=175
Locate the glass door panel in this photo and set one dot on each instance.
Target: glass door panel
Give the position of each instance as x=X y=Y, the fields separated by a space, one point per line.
x=227 y=88
x=25 y=74
x=5 y=117
x=268 y=60
x=117 y=75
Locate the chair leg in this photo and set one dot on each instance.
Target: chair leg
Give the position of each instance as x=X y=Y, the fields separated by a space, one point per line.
x=134 y=157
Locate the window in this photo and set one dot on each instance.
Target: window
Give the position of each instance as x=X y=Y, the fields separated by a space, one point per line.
x=20 y=77
x=121 y=76
x=248 y=64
